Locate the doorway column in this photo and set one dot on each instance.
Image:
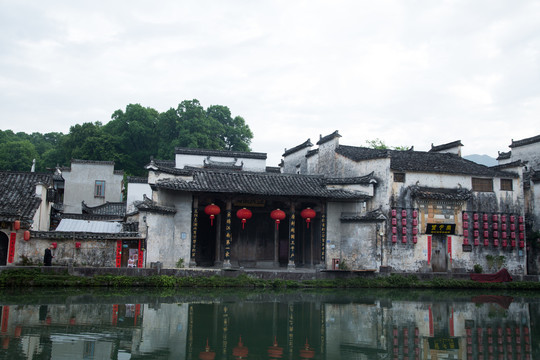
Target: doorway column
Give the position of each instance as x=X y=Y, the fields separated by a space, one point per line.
x=292 y=239
x=194 y=227
x=228 y=235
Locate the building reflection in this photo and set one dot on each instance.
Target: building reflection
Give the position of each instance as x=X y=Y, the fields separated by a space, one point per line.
x=297 y=327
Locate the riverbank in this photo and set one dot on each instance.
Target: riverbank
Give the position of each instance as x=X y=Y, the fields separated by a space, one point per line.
x=303 y=278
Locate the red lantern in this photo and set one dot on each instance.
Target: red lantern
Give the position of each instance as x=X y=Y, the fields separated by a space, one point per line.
x=77 y=245
x=240 y=351
x=26 y=235
x=277 y=215
x=212 y=210
x=243 y=214
x=16 y=224
x=207 y=354
x=54 y=245
x=308 y=214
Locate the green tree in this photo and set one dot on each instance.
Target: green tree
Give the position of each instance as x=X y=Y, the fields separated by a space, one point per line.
x=236 y=135
x=17 y=155
x=379 y=144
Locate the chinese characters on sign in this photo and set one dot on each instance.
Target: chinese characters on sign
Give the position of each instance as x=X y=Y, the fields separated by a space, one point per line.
x=443 y=229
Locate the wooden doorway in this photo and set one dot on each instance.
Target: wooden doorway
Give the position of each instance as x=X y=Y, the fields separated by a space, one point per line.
x=4 y=243
x=439 y=258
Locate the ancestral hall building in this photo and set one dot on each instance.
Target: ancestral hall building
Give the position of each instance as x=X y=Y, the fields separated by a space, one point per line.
x=365 y=209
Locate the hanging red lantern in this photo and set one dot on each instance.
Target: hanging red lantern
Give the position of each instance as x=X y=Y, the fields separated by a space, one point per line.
x=54 y=245
x=243 y=214
x=277 y=215
x=26 y=235
x=207 y=354
x=240 y=351
x=77 y=245
x=308 y=214
x=212 y=210
x=16 y=224
x=274 y=351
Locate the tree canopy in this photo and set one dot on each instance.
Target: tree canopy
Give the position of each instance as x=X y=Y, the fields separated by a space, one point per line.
x=129 y=139
x=379 y=144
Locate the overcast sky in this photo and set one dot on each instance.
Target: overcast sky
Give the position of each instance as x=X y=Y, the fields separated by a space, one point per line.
x=406 y=72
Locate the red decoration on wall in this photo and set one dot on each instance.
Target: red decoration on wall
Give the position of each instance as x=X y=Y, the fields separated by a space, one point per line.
x=77 y=245
x=54 y=245
x=308 y=214
x=394 y=212
x=244 y=214
x=212 y=210
x=16 y=225
x=415 y=214
x=11 y=251
x=26 y=235
x=118 y=253
x=141 y=254
x=277 y=215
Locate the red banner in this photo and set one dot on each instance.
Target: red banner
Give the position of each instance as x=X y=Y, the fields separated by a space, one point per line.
x=118 y=253
x=140 y=257
x=11 y=252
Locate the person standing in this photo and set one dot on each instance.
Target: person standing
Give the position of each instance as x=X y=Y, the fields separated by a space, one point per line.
x=47 y=258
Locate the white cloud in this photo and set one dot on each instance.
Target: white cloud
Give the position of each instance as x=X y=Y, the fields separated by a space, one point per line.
x=407 y=72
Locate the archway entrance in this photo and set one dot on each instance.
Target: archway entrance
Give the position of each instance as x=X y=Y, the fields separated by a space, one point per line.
x=4 y=243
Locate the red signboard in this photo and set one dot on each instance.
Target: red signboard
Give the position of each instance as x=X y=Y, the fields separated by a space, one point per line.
x=118 y=253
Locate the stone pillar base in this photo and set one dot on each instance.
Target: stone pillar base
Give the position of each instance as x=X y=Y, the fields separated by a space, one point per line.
x=192 y=263
x=291 y=266
x=227 y=264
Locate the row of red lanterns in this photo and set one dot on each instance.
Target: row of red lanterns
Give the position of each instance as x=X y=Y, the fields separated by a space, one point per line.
x=245 y=214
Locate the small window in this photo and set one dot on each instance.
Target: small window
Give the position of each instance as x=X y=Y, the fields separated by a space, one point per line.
x=399 y=177
x=99 y=188
x=482 y=185
x=506 y=184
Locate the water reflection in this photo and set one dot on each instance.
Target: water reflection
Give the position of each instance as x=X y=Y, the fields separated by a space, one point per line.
x=359 y=324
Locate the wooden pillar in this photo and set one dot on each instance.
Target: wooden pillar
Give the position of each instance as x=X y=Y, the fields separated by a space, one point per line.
x=292 y=238
x=194 y=228
x=323 y=236
x=217 y=258
x=228 y=235
x=276 y=246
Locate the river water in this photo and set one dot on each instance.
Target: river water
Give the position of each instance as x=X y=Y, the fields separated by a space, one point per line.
x=264 y=324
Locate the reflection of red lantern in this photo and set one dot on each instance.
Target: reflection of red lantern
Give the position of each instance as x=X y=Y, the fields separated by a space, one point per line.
x=307 y=352
x=26 y=235
x=207 y=354
x=308 y=214
x=243 y=214
x=17 y=225
x=274 y=351
x=212 y=210
x=240 y=351
x=277 y=215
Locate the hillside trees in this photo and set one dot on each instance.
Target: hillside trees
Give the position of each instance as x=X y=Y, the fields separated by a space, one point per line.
x=129 y=139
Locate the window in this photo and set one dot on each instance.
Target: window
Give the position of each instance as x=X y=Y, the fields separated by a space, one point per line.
x=399 y=177
x=506 y=184
x=99 y=188
x=482 y=185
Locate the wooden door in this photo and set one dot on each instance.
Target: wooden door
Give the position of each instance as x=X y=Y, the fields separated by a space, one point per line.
x=439 y=261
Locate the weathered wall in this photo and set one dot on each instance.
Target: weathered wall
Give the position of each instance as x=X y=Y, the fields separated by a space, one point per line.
x=98 y=253
x=135 y=192
x=530 y=153
x=42 y=217
x=169 y=235
x=296 y=163
x=80 y=183
x=250 y=164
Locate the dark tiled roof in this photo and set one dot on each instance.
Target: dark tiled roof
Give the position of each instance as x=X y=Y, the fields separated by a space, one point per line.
x=510 y=165
x=526 y=141
x=95 y=162
x=109 y=208
x=304 y=145
x=91 y=217
x=420 y=161
x=258 y=183
x=504 y=155
x=273 y=169
x=312 y=152
x=17 y=195
x=440 y=193
x=83 y=235
x=137 y=180
x=327 y=138
x=165 y=163
x=233 y=154
x=446 y=146
x=375 y=215
x=367 y=179
x=150 y=206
